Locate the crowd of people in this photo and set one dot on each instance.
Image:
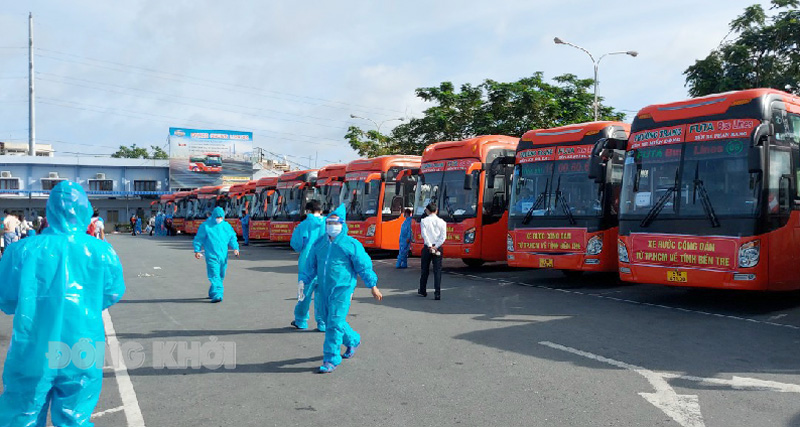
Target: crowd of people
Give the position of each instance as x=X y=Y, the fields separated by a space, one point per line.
x=58 y=283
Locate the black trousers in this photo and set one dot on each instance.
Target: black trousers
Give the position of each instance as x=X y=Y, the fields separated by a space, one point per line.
x=427 y=257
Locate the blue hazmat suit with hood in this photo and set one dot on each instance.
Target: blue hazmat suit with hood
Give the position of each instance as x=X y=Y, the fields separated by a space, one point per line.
x=303 y=238
x=57 y=285
x=215 y=237
x=336 y=264
x=405 y=244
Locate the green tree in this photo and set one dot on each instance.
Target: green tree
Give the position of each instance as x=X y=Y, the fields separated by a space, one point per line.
x=489 y=108
x=134 y=152
x=764 y=52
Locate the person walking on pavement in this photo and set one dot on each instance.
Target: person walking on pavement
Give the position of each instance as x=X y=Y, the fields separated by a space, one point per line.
x=133 y=225
x=246 y=227
x=405 y=241
x=56 y=285
x=10 y=224
x=303 y=237
x=335 y=260
x=434 y=233
x=215 y=236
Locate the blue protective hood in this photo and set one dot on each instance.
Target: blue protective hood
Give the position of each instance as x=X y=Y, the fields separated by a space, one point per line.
x=68 y=209
x=218 y=212
x=341 y=212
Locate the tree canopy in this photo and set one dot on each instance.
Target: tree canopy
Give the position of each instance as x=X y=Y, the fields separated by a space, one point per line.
x=489 y=108
x=764 y=52
x=134 y=152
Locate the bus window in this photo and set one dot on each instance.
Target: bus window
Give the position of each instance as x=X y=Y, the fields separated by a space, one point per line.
x=427 y=191
x=780 y=165
x=793 y=122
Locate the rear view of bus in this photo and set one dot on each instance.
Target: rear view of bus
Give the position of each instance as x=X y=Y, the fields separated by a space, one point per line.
x=469 y=181
x=374 y=207
x=295 y=189
x=563 y=214
x=330 y=181
x=709 y=191
x=261 y=212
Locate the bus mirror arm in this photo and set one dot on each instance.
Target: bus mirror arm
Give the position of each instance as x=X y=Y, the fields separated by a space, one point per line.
x=597 y=171
x=494 y=168
x=755 y=159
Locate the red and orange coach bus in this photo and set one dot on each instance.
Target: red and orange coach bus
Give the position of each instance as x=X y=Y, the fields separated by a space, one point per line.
x=179 y=218
x=231 y=202
x=562 y=214
x=470 y=182
x=709 y=194
x=374 y=211
x=330 y=181
x=294 y=190
x=207 y=199
x=261 y=212
x=168 y=207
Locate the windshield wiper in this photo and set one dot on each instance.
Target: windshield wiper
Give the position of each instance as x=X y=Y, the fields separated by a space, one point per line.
x=656 y=209
x=564 y=204
x=539 y=200
x=704 y=199
x=446 y=203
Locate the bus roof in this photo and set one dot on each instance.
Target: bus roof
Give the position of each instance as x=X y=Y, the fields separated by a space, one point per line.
x=167 y=198
x=477 y=147
x=237 y=189
x=213 y=154
x=303 y=175
x=383 y=163
x=267 y=181
x=712 y=105
x=572 y=133
x=181 y=194
x=336 y=170
x=250 y=186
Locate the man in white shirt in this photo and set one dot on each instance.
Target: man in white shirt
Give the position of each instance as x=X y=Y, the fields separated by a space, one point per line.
x=434 y=233
x=10 y=224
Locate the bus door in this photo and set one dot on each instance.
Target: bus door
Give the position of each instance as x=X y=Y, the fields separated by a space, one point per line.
x=496 y=195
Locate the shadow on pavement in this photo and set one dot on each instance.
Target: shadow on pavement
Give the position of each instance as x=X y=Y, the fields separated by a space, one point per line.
x=212 y=333
x=275 y=367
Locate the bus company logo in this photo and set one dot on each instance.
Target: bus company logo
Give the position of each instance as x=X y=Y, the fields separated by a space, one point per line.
x=356 y=176
x=734 y=147
x=670 y=133
x=536 y=155
x=199 y=135
x=722 y=129
x=574 y=152
x=179 y=133
x=432 y=167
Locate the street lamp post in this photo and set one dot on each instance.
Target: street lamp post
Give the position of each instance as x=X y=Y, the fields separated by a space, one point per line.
x=377 y=125
x=596 y=63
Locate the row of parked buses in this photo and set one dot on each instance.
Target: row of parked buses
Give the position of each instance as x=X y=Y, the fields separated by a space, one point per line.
x=698 y=193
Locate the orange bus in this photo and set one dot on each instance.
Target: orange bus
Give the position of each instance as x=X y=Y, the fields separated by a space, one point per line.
x=294 y=190
x=709 y=193
x=470 y=182
x=206 y=163
x=207 y=199
x=261 y=213
x=330 y=181
x=191 y=208
x=231 y=202
x=564 y=215
x=374 y=211
x=168 y=206
x=179 y=218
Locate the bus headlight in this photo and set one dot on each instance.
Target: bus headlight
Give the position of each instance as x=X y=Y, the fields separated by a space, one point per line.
x=469 y=236
x=371 y=230
x=622 y=251
x=749 y=253
x=509 y=243
x=595 y=245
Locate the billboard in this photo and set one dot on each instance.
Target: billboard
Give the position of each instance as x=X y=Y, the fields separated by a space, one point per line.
x=198 y=157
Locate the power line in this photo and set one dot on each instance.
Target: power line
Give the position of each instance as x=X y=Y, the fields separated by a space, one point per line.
x=115 y=66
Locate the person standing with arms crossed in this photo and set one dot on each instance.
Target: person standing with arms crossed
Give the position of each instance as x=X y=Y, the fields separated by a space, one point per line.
x=434 y=233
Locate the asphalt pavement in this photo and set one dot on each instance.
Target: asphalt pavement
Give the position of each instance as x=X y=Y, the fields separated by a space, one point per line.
x=504 y=347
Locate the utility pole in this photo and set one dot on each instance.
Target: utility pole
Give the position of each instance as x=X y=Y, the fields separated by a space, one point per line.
x=31 y=112
x=316 y=159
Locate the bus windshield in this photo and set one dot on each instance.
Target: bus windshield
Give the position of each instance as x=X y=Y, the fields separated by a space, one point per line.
x=559 y=188
x=331 y=201
x=446 y=189
x=288 y=203
x=696 y=179
x=213 y=161
x=361 y=206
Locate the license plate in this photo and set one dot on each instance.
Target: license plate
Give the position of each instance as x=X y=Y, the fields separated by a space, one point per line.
x=676 y=276
x=545 y=262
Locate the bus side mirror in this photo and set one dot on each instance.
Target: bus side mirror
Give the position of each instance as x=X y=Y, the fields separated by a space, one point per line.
x=755 y=159
x=785 y=195
x=366 y=189
x=596 y=170
x=468 y=182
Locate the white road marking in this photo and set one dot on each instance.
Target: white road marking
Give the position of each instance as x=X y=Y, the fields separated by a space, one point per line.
x=683 y=408
x=108 y=411
x=129 y=402
x=646 y=304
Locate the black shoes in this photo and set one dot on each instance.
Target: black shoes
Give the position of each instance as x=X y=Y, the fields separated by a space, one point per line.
x=437 y=297
x=422 y=294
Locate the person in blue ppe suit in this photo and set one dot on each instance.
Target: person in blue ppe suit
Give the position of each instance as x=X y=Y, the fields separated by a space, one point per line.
x=405 y=241
x=246 y=227
x=57 y=285
x=303 y=238
x=215 y=235
x=336 y=259
x=138 y=225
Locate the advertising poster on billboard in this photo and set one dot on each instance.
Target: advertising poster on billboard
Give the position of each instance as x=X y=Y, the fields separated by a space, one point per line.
x=198 y=158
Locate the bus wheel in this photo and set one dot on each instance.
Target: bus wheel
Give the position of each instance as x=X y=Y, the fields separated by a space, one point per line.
x=572 y=274
x=472 y=262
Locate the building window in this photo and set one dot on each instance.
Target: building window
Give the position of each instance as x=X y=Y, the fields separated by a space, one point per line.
x=49 y=183
x=101 y=185
x=9 y=183
x=145 y=185
x=112 y=217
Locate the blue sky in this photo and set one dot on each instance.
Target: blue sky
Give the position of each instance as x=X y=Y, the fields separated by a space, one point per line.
x=111 y=73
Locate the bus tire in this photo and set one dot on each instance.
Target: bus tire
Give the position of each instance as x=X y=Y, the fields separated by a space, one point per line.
x=572 y=274
x=472 y=262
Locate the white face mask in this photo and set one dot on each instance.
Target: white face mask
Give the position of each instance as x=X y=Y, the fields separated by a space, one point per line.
x=219 y=220
x=333 y=229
